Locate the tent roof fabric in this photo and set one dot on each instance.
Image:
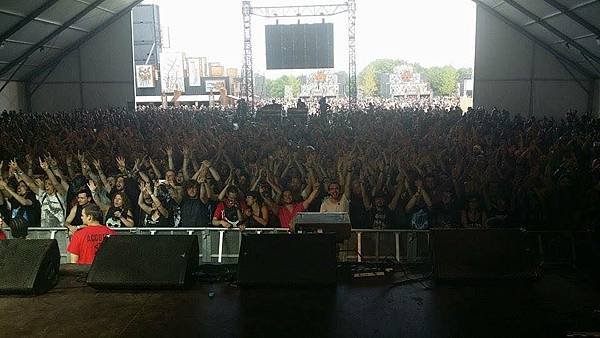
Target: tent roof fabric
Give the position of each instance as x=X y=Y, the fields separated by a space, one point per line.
x=35 y=33
x=570 y=28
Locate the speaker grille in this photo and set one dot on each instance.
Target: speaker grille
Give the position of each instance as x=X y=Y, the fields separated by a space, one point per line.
x=144 y=262
x=28 y=266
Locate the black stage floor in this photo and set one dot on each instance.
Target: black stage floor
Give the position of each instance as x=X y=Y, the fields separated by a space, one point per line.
x=558 y=303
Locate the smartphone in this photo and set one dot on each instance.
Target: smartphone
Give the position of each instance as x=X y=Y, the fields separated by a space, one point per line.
x=162 y=181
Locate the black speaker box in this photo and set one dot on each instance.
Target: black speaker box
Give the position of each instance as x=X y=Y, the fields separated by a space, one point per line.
x=287 y=259
x=144 y=262
x=463 y=254
x=28 y=266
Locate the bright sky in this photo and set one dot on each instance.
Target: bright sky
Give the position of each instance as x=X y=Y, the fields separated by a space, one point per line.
x=431 y=32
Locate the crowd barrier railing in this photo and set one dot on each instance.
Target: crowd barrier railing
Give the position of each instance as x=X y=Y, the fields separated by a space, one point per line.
x=220 y=245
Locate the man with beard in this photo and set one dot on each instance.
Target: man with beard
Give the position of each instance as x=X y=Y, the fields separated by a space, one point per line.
x=289 y=209
x=336 y=202
x=229 y=212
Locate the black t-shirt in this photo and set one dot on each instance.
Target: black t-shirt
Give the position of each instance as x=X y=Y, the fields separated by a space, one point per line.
x=359 y=217
x=194 y=213
x=381 y=218
x=31 y=213
x=446 y=215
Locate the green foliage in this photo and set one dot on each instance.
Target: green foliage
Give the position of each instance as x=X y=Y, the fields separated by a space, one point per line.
x=443 y=80
x=368 y=79
x=276 y=88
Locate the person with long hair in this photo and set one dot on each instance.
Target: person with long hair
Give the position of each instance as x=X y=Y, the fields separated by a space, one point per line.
x=154 y=208
x=118 y=213
x=256 y=214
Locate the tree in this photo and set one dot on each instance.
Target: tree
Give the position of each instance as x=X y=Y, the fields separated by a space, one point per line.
x=276 y=88
x=442 y=80
x=465 y=73
x=368 y=79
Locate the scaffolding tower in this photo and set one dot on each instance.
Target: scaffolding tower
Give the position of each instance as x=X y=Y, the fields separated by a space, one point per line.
x=296 y=12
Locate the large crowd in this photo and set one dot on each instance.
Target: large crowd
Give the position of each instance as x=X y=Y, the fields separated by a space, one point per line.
x=388 y=166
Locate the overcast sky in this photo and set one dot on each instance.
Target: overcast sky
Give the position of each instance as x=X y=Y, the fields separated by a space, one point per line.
x=431 y=32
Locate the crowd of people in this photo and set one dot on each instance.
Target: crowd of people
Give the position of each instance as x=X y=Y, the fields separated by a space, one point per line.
x=340 y=104
x=388 y=166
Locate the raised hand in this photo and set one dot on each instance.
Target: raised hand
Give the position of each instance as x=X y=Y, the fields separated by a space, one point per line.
x=13 y=165
x=137 y=164
x=52 y=161
x=43 y=164
x=92 y=185
x=121 y=161
x=97 y=165
x=186 y=151
x=169 y=151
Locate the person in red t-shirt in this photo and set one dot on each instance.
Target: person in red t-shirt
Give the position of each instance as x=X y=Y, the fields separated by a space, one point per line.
x=2 y=234
x=2 y=224
x=87 y=240
x=289 y=209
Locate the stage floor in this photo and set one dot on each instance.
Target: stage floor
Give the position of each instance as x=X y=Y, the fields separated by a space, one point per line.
x=558 y=303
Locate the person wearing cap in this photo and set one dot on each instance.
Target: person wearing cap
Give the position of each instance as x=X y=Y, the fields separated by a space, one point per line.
x=381 y=215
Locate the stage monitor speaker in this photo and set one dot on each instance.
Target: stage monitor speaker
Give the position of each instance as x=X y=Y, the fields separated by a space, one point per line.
x=337 y=223
x=28 y=266
x=287 y=259
x=144 y=262
x=462 y=254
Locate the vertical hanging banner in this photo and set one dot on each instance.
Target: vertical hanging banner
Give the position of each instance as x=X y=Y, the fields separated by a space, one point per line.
x=194 y=72
x=144 y=76
x=171 y=72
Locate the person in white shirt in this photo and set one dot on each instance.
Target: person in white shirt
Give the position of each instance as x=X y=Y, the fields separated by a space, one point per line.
x=51 y=195
x=337 y=202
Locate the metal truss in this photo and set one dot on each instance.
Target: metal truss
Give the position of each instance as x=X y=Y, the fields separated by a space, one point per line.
x=247 y=68
x=299 y=11
x=352 y=85
x=296 y=12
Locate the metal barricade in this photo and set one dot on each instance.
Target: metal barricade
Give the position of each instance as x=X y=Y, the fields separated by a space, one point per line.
x=219 y=245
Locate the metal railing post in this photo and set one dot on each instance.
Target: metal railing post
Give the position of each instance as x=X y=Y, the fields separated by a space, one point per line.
x=397 y=237
x=221 y=235
x=359 y=246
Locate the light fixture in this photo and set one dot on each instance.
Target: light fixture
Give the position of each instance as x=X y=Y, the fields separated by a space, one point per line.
x=2 y=44
x=567 y=45
x=598 y=40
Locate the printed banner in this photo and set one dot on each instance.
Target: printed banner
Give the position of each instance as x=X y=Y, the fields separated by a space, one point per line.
x=144 y=75
x=171 y=72
x=194 y=72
